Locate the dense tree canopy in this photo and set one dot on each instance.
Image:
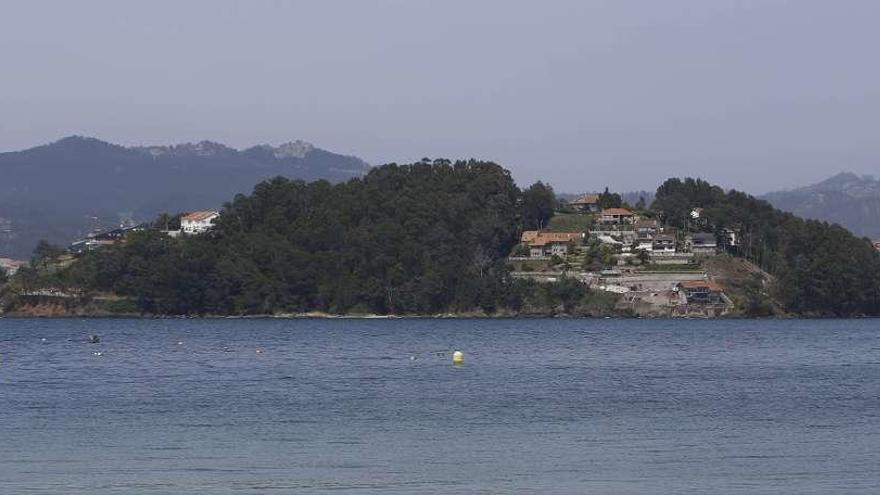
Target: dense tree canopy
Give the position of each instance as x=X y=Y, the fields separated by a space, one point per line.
x=820 y=269
x=432 y=237
x=608 y=199
x=423 y=238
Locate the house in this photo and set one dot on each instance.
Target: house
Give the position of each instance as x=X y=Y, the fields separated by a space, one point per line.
x=663 y=244
x=198 y=222
x=542 y=243
x=644 y=244
x=701 y=291
x=616 y=216
x=586 y=203
x=876 y=245
x=729 y=237
x=100 y=239
x=703 y=243
x=646 y=228
x=10 y=266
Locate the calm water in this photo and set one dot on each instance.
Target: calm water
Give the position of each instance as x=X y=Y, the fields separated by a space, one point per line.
x=340 y=406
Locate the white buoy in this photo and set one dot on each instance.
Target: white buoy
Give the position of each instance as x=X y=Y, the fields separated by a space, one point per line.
x=457 y=357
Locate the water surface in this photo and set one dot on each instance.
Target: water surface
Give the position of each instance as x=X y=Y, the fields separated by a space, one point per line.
x=374 y=406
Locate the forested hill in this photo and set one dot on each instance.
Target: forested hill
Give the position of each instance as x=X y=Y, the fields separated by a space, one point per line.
x=821 y=269
x=432 y=237
x=846 y=198
x=421 y=238
x=63 y=190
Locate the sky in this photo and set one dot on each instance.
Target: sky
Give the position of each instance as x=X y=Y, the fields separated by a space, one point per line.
x=757 y=95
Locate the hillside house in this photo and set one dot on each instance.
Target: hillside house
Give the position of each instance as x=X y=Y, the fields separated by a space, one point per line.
x=645 y=244
x=198 y=222
x=646 y=228
x=10 y=266
x=542 y=244
x=703 y=243
x=663 y=244
x=701 y=291
x=587 y=203
x=100 y=239
x=616 y=216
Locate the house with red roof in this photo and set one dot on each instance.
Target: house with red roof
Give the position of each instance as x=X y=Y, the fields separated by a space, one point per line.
x=616 y=216
x=541 y=243
x=700 y=291
x=198 y=222
x=586 y=203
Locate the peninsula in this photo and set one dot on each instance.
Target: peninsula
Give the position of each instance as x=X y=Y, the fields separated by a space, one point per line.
x=439 y=237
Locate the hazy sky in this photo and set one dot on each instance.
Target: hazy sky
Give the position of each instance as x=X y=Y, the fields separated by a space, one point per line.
x=750 y=94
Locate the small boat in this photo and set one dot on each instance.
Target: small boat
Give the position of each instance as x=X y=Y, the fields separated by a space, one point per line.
x=94 y=339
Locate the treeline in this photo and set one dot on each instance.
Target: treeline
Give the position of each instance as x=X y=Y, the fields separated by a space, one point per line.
x=424 y=238
x=820 y=269
x=432 y=237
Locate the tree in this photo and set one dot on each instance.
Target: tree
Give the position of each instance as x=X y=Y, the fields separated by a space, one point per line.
x=608 y=199
x=756 y=304
x=420 y=238
x=640 y=204
x=45 y=256
x=820 y=269
x=598 y=255
x=538 y=204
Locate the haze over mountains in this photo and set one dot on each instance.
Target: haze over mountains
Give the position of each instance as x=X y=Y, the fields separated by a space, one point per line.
x=848 y=199
x=63 y=190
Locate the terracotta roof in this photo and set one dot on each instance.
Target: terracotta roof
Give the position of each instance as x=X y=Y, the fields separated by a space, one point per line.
x=541 y=238
x=586 y=199
x=644 y=222
x=198 y=216
x=617 y=212
x=11 y=263
x=529 y=235
x=700 y=284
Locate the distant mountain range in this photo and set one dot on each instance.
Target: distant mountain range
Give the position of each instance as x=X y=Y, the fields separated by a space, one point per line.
x=63 y=190
x=848 y=199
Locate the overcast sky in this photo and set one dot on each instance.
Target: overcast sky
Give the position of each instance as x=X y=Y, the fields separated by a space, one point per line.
x=757 y=95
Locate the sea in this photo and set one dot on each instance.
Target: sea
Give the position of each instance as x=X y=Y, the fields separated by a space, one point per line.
x=364 y=406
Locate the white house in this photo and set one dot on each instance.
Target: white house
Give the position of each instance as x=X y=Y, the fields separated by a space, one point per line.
x=198 y=222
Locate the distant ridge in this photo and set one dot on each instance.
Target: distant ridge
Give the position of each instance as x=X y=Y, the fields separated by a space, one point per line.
x=851 y=200
x=63 y=190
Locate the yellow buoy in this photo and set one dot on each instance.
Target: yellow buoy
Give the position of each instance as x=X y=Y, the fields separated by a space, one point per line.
x=457 y=357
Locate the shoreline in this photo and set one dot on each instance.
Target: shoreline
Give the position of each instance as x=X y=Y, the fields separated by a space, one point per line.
x=326 y=316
